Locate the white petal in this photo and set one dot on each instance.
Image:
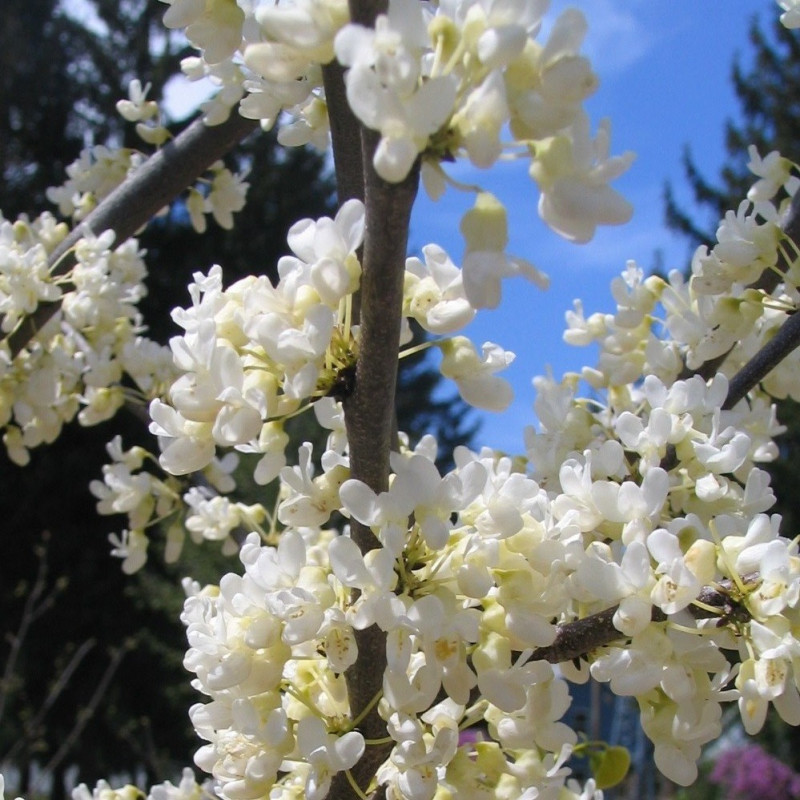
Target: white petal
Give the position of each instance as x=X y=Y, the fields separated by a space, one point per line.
x=347 y=562
x=499 y=690
x=350 y=220
x=360 y=501
x=394 y=158
x=348 y=750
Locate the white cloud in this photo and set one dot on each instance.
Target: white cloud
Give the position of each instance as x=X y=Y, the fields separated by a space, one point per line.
x=617 y=38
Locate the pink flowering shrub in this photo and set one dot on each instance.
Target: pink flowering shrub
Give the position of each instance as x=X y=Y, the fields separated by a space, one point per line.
x=750 y=772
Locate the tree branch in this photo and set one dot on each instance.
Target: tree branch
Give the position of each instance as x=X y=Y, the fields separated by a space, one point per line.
x=579 y=638
x=83 y=717
x=369 y=410
x=369 y=417
x=764 y=361
x=35 y=605
x=129 y=207
x=345 y=136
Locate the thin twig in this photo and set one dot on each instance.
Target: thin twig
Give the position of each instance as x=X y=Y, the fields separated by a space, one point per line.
x=34 y=724
x=31 y=611
x=84 y=716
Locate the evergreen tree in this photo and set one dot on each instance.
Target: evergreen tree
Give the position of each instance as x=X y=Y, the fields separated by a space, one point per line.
x=768 y=92
x=60 y=79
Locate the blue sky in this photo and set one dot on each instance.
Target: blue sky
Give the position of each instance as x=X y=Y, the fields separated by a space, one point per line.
x=664 y=69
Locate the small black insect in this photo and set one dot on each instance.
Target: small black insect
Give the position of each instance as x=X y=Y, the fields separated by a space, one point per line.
x=344 y=383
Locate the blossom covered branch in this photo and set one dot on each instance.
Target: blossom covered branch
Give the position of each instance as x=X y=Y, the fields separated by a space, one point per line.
x=152 y=186
x=633 y=537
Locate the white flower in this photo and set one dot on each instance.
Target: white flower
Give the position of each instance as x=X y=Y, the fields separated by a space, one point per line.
x=24 y=283
x=310 y=501
x=338 y=640
x=434 y=498
x=306 y=26
x=373 y=575
x=550 y=102
x=773 y=172
x=386 y=513
x=629 y=501
x=301 y=612
x=213 y=27
x=747 y=244
x=573 y=172
x=405 y=123
x=326 y=753
x=137 y=107
x=434 y=292
x=122 y=492
x=676 y=584
x=791 y=16
x=185 y=446
x=480 y=119
x=131 y=547
x=474 y=374
x=442 y=632
x=213 y=517
x=271 y=442
x=626 y=583
x=227 y=195
x=385 y=88
x=187 y=788
x=419 y=761
x=325 y=251
x=547 y=700
x=485 y=230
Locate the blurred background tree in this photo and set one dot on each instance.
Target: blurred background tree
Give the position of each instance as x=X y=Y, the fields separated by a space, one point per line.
x=93 y=680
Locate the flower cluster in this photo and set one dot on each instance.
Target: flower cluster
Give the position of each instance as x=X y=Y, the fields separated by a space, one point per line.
x=736 y=299
x=254 y=354
x=134 y=485
x=633 y=542
x=270 y=648
x=510 y=563
x=91 y=356
x=76 y=363
x=187 y=789
x=440 y=80
x=664 y=472
x=99 y=170
x=637 y=501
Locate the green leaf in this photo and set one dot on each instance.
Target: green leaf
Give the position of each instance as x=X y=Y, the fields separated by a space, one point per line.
x=610 y=766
